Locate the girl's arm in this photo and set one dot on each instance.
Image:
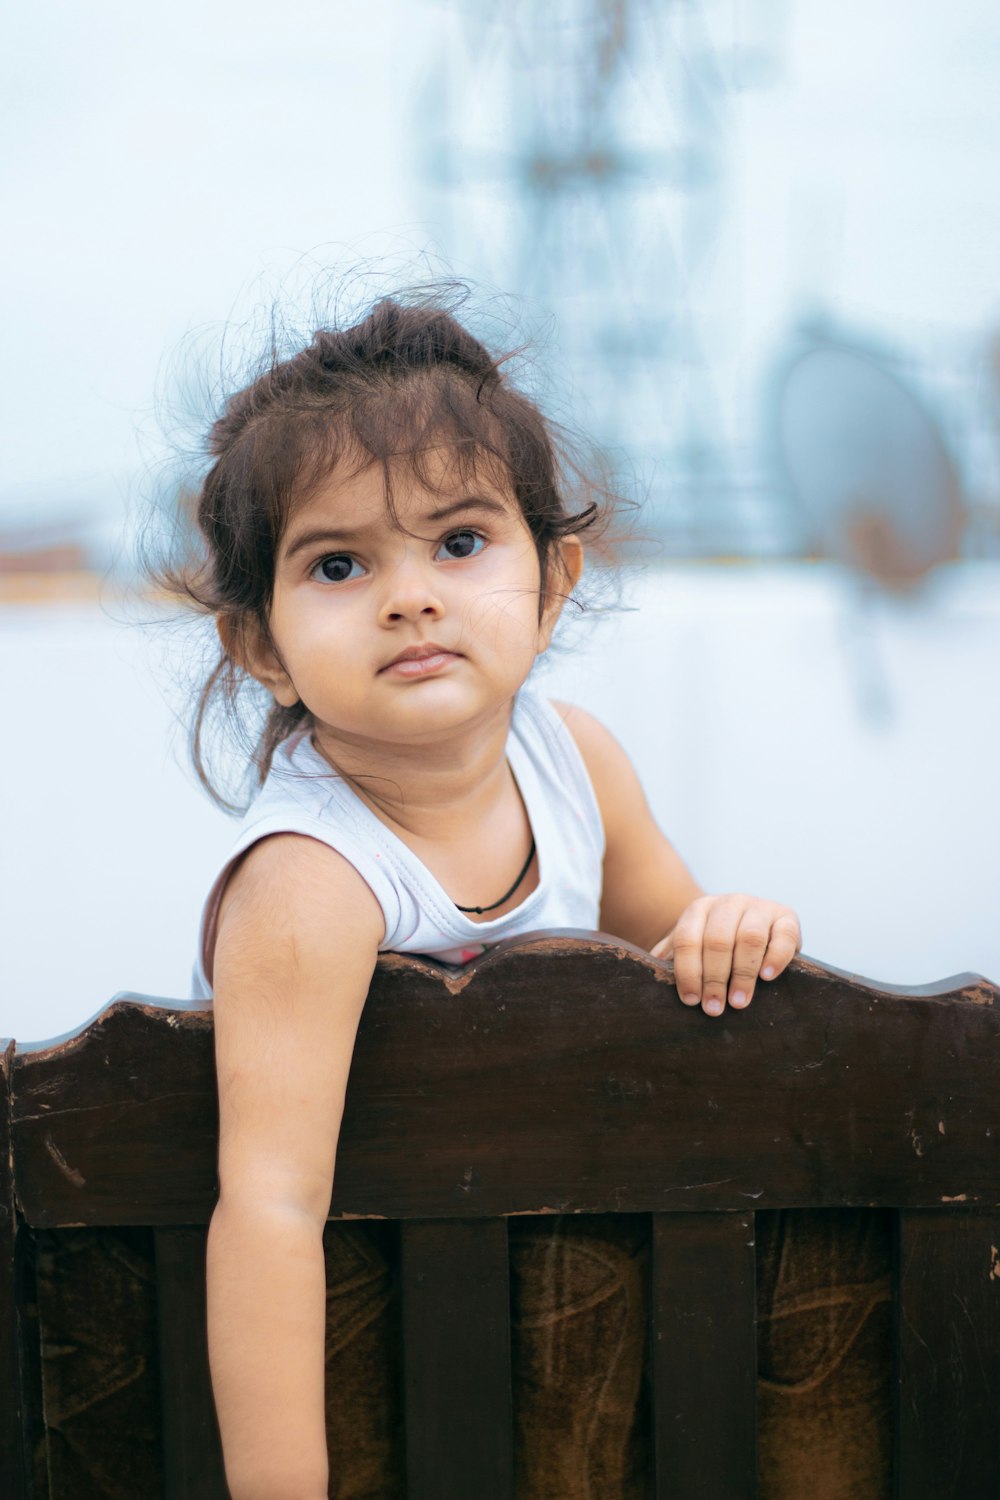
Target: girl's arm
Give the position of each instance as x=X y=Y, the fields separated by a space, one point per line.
x=297 y=941
x=719 y=944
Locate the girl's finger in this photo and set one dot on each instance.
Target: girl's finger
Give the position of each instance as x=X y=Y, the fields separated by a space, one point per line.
x=785 y=941
x=664 y=947
x=752 y=937
x=717 y=954
x=687 y=939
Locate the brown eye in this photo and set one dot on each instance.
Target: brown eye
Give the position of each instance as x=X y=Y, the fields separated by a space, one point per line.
x=336 y=568
x=463 y=544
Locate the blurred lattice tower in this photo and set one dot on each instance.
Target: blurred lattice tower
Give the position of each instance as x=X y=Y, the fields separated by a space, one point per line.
x=582 y=163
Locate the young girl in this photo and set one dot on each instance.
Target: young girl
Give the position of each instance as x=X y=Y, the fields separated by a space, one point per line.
x=389 y=540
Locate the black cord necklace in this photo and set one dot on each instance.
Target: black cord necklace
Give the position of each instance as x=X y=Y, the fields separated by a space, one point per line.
x=481 y=910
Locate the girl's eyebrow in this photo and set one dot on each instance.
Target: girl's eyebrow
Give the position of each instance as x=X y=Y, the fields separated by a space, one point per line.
x=346 y=535
x=470 y=502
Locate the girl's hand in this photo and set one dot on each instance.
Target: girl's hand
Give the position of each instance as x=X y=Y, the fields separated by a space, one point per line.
x=721 y=943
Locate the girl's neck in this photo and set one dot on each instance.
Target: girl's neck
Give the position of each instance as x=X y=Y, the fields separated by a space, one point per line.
x=435 y=792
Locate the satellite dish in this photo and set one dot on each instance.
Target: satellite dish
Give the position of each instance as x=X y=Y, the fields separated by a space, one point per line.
x=865 y=465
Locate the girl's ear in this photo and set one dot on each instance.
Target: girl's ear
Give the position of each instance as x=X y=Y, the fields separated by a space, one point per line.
x=565 y=573
x=245 y=642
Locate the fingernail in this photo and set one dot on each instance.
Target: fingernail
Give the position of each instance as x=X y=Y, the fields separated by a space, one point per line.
x=767 y=973
x=738 y=998
x=691 y=999
x=713 y=1007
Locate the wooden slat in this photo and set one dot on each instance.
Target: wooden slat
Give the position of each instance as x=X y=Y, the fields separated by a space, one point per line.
x=456 y=1360
x=32 y=1397
x=15 y=1405
x=948 y=1331
x=704 y=1356
x=193 y=1468
x=453 y=1106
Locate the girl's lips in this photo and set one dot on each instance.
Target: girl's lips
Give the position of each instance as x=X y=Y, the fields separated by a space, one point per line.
x=420 y=666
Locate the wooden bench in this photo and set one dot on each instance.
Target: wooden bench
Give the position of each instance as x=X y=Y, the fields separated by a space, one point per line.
x=560 y=1075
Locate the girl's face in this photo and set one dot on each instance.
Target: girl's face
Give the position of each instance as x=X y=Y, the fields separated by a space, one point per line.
x=398 y=632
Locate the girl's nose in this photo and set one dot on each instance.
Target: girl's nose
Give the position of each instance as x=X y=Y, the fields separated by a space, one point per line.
x=410 y=594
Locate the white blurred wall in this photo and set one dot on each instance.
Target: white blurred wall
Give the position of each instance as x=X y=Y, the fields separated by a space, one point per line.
x=839 y=758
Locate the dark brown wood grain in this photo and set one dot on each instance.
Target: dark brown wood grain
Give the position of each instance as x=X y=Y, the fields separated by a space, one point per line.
x=192 y=1451
x=118 y=1116
x=559 y=1075
x=30 y=1335
x=15 y=1404
x=456 y=1359
x=948 y=1332
x=703 y=1338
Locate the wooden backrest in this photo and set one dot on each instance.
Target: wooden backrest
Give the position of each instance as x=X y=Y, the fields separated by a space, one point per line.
x=560 y=1075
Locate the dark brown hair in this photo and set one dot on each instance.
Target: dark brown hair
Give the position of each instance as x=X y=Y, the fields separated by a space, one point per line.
x=406 y=378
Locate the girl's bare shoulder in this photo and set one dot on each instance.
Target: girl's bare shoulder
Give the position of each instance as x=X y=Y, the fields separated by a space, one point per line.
x=289 y=891
x=646 y=883
x=616 y=784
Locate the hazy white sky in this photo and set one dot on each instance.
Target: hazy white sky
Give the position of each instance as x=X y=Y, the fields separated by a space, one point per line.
x=159 y=163
x=163 y=166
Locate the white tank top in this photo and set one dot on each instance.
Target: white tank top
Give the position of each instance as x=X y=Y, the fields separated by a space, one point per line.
x=302 y=794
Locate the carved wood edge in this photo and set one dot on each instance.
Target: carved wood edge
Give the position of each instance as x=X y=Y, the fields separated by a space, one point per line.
x=966 y=987
x=559 y=1073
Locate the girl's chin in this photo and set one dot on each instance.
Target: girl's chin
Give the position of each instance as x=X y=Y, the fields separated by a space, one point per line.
x=420 y=714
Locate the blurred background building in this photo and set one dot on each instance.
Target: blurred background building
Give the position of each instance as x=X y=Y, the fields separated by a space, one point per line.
x=756 y=242
x=685 y=196
x=616 y=161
